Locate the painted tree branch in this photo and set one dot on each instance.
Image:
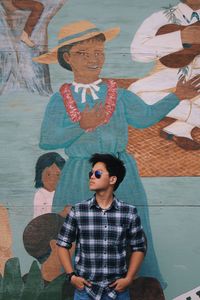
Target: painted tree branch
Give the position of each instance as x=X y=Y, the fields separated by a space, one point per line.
x=17 y=70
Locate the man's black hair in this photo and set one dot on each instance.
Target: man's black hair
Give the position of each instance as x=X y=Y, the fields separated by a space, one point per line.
x=44 y=161
x=114 y=166
x=67 y=48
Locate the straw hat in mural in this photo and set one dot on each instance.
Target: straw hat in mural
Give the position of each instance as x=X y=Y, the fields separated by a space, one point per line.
x=72 y=33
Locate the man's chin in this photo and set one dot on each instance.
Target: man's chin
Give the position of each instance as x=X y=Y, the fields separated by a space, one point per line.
x=91 y=188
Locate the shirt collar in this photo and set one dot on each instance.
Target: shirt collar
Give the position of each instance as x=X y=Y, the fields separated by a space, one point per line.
x=114 y=204
x=186 y=10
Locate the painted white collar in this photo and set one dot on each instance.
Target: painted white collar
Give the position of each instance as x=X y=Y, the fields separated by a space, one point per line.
x=93 y=87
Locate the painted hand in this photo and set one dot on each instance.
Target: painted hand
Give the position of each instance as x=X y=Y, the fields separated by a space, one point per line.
x=188 y=89
x=191 y=35
x=90 y=119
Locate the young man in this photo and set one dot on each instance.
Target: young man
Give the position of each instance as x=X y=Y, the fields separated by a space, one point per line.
x=102 y=227
x=148 y=46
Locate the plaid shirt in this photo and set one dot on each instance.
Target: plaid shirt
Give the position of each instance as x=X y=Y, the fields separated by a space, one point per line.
x=101 y=238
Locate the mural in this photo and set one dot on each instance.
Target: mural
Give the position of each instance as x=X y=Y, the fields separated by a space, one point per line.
x=23 y=34
x=170 y=39
x=174 y=27
x=5 y=239
x=145 y=111
x=195 y=293
x=36 y=9
x=47 y=173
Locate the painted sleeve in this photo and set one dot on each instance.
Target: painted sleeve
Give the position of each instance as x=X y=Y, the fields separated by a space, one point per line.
x=147 y=46
x=141 y=115
x=68 y=231
x=57 y=130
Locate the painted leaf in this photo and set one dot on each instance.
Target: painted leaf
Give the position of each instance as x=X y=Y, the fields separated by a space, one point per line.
x=12 y=281
x=34 y=283
x=53 y=291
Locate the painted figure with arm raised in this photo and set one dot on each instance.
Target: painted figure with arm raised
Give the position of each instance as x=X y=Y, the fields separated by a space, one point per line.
x=171 y=38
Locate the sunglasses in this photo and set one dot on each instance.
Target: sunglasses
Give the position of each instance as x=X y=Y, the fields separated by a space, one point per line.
x=96 y=173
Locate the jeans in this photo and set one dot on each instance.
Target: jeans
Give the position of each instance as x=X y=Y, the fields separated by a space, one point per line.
x=82 y=295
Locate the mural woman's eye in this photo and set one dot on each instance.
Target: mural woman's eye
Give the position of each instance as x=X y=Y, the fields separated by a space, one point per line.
x=83 y=54
x=98 y=54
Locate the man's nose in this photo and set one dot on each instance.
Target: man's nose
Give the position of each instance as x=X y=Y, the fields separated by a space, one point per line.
x=92 y=176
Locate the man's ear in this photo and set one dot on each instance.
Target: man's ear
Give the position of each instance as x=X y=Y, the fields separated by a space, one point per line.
x=113 y=179
x=66 y=57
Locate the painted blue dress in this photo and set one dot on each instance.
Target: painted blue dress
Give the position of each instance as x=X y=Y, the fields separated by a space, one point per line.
x=58 y=131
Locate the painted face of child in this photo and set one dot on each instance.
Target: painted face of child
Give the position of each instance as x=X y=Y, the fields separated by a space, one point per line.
x=50 y=177
x=86 y=60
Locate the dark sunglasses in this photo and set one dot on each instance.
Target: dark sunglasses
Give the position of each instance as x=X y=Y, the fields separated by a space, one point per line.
x=96 y=173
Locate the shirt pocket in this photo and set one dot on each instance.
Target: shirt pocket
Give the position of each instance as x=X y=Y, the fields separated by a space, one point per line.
x=117 y=235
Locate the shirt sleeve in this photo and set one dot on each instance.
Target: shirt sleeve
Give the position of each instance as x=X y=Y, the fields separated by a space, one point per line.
x=57 y=130
x=141 y=115
x=68 y=231
x=136 y=237
x=147 y=46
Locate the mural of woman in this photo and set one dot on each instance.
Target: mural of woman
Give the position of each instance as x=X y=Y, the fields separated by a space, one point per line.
x=47 y=173
x=89 y=116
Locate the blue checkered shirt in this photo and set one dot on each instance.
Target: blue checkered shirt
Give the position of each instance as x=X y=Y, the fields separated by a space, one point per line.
x=101 y=239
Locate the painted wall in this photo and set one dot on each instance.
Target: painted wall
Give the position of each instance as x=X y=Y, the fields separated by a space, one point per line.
x=173 y=201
